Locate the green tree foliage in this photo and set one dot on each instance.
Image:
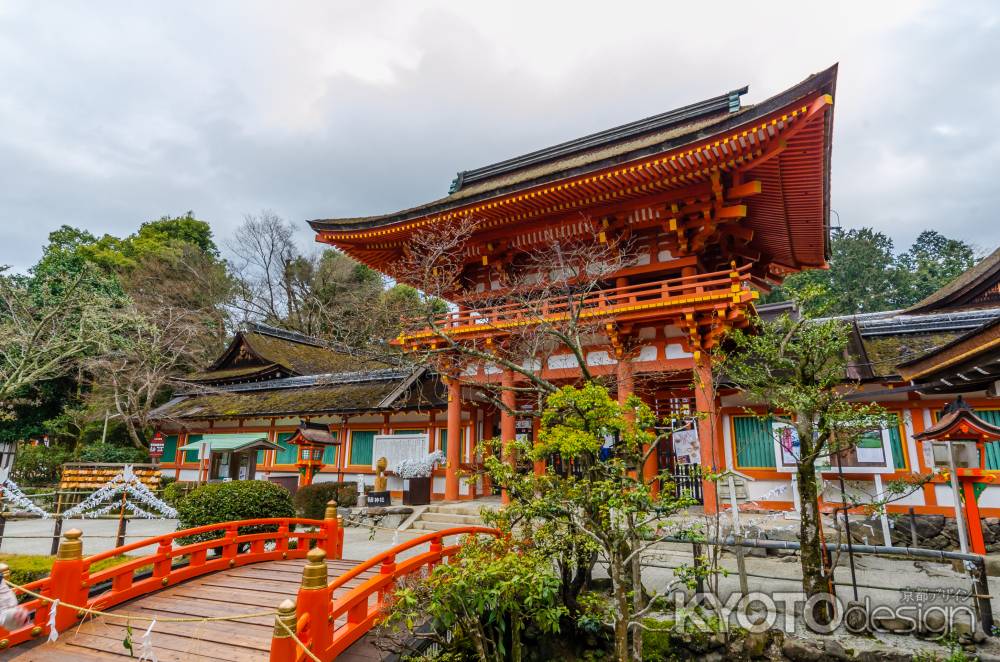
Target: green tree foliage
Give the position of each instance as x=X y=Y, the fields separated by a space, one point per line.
x=796 y=369
x=600 y=511
x=866 y=275
x=310 y=500
x=38 y=465
x=479 y=605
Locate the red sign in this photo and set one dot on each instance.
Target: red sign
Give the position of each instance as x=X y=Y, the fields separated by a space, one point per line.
x=156 y=445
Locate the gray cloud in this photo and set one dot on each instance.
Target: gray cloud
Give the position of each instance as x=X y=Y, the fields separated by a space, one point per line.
x=115 y=113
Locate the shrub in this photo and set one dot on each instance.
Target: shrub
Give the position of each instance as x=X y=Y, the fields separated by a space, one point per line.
x=232 y=501
x=175 y=491
x=310 y=501
x=113 y=454
x=39 y=465
x=27 y=568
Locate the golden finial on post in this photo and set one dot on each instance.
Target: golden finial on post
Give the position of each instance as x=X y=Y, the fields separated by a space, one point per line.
x=331 y=509
x=4 y=571
x=286 y=615
x=314 y=572
x=71 y=546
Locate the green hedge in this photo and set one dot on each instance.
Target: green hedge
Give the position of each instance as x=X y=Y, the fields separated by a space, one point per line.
x=232 y=501
x=39 y=465
x=310 y=501
x=112 y=454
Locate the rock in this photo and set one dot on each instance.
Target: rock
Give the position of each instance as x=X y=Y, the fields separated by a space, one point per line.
x=896 y=625
x=755 y=643
x=883 y=655
x=399 y=510
x=856 y=617
x=934 y=624
x=833 y=649
x=799 y=650
x=993 y=566
x=714 y=656
x=979 y=637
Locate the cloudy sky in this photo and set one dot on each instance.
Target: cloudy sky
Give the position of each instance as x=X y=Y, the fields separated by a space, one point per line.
x=115 y=113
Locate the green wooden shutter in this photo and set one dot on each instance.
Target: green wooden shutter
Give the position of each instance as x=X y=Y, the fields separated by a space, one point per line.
x=991 y=416
x=330 y=453
x=754 y=442
x=896 y=443
x=409 y=431
x=192 y=456
x=362 y=443
x=169 y=448
x=289 y=453
x=444 y=442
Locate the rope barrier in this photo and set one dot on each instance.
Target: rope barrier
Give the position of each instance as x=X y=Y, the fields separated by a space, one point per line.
x=295 y=637
x=128 y=616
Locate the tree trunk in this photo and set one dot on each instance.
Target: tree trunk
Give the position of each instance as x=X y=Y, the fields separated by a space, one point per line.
x=814 y=581
x=621 y=607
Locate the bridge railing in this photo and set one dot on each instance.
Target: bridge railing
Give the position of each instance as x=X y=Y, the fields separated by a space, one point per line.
x=174 y=560
x=327 y=625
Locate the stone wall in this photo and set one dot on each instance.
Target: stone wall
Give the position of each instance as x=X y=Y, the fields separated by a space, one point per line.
x=933 y=531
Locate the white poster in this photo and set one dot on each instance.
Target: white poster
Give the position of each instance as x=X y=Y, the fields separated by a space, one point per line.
x=397 y=447
x=687 y=448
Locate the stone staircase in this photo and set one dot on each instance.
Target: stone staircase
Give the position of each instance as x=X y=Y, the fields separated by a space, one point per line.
x=437 y=517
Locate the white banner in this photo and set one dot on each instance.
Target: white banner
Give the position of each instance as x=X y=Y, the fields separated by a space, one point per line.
x=397 y=447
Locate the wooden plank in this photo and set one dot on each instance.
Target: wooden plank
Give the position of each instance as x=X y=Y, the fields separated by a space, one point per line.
x=206 y=643
x=106 y=644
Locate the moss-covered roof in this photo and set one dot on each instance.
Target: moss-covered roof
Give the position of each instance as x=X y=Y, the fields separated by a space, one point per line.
x=328 y=394
x=885 y=352
x=261 y=352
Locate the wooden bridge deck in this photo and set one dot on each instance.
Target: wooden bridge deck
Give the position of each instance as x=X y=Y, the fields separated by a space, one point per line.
x=250 y=588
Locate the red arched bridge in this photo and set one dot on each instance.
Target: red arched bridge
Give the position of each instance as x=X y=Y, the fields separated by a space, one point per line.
x=245 y=596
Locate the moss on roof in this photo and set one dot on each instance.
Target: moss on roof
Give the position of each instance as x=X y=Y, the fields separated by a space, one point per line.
x=231 y=373
x=308 y=400
x=885 y=352
x=305 y=359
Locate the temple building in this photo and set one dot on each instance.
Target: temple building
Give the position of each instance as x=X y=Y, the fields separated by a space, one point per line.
x=268 y=382
x=720 y=199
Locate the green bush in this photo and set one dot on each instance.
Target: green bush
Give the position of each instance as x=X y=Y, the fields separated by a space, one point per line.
x=175 y=491
x=310 y=501
x=232 y=501
x=39 y=465
x=113 y=454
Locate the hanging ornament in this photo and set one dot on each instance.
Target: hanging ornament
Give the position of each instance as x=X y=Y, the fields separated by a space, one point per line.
x=146 y=653
x=53 y=632
x=108 y=498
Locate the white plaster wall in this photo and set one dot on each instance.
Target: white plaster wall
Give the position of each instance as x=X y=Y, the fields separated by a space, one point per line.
x=675 y=351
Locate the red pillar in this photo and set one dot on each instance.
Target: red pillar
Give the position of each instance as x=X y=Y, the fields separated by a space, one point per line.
x=454 y=439
x=508 y=430
x=972 y=517
x=708 y=424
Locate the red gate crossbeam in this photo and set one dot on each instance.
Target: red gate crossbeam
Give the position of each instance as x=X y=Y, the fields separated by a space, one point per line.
x=632 y=302
x=328 y=626
x=71 y=582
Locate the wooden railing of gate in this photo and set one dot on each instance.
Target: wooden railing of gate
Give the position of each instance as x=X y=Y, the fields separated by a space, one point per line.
x=317 y=617
x=173 y=561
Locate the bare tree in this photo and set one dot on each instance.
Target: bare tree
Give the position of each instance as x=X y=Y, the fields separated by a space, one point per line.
x=148 y=354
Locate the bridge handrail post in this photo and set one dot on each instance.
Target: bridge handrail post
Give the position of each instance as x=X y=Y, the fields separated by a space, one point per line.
x=281 y=543
x=333 y=537
x=388 y=568
x=230 y=548
x=283 y=647
x=67 y=581
x=313 y=599
x=437 y=545
x=162 y=567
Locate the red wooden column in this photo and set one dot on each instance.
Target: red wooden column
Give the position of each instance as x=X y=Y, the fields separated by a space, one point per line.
x=508 y=430
x=708 y=424
x=488 y=415
x=454 y=439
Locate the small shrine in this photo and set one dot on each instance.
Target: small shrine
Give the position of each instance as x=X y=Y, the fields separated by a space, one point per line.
x=312 y=440
x=957 y=444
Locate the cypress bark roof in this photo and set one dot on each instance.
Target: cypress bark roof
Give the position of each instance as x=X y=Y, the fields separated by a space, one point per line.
x=978 y=286
x=260 y=352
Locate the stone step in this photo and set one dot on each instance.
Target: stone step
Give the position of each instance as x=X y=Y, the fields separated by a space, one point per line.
x=454 y=509
x=455 y=518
